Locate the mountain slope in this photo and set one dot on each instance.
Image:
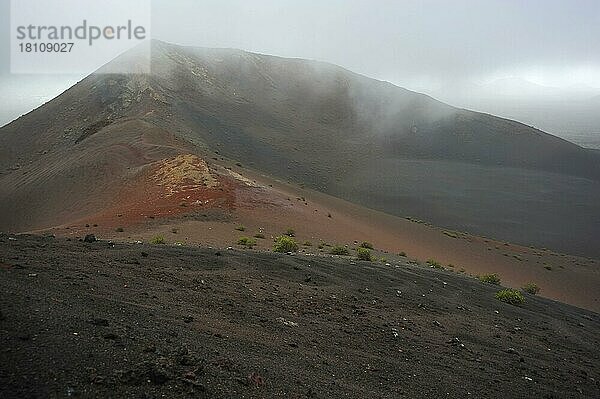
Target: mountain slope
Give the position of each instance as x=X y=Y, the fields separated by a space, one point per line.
x=308 y=122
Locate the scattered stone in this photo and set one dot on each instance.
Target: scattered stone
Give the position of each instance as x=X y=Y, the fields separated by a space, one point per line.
x=437 y=323
x=512 y=351
x=156 y=373
x=90 y=238
x=456 y=342
x=288 y=323
x=32 y=275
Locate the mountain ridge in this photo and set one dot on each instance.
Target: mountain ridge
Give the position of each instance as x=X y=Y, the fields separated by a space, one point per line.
x=311 y=123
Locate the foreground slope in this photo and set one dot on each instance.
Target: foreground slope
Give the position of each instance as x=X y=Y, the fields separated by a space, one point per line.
x=104 y=320
x=311 y=123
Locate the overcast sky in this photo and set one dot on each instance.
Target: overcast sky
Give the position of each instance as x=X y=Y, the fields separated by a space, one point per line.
x=422 y=45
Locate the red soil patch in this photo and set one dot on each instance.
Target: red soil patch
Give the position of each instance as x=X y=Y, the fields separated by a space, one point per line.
x=166 y=189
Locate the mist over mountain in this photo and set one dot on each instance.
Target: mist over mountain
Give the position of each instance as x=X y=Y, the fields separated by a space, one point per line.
x=307 y=122
x=572 y=113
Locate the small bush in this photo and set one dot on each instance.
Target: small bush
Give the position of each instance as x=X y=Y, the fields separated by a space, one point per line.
x=489 y=279
x=285 y=244
x=366 y=244
x=511 y=296
x=247 y=242
x=240 y=228
x=363 y=254
x=307 y=244
x=339 y=250
x=119 y=230
x=402 y=253
x=157 y=240
x=531 y=288
x=290 y=233
x=259 y=235
x=435 y=264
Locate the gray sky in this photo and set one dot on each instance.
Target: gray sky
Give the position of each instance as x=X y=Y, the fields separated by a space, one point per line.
x=422 y=45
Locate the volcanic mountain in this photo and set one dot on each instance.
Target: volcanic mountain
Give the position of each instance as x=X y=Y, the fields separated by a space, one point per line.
x=305 y=122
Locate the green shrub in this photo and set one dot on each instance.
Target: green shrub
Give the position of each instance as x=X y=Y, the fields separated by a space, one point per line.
x=366 y=244
x=307 y=244
x=157 y=240
x=531 y=288
x=511 y=296
x=339 y=250
x=247 y=242
x=363 y=254
x=240 y=228
x=402 y=253
x=435 y=264
x=489 y=279
x=290 y=232
x=285 y=244
x=259 y=235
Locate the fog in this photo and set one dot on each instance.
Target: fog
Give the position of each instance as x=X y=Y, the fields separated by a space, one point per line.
x=517 y=59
